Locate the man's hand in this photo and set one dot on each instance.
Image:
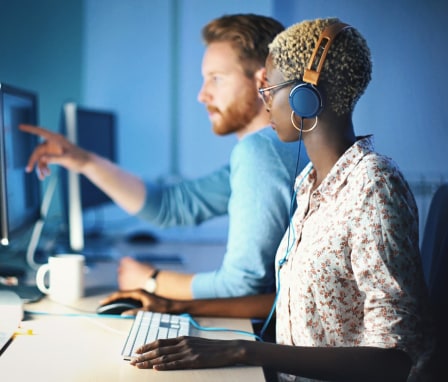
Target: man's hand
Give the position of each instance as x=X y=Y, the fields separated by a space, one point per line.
x=132 y=274
x=55 y=149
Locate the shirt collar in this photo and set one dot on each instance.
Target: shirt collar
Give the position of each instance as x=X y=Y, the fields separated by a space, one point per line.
x=341 y=169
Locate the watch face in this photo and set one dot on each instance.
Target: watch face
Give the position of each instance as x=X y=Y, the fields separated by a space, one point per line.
x=150 y=285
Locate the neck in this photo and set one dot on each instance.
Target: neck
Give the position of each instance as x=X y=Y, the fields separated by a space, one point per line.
x=327 y=143
x=260 y=121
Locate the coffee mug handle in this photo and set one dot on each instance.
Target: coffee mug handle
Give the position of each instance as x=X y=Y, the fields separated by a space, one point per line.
x=40 y=278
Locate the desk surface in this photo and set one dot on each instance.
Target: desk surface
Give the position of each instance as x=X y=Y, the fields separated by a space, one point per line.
x=67 y=347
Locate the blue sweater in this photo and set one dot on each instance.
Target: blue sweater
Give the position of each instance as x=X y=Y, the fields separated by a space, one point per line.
x=255 y=191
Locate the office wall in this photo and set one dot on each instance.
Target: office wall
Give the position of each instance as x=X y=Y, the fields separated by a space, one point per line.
x=41 y=50
x=404 y=106
x=122 y=55
x=142 y=58
x=165 y=130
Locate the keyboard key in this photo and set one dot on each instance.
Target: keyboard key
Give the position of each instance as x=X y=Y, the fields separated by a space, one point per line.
x=150 y=326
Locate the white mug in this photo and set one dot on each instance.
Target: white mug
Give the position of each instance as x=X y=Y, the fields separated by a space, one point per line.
x=66 y=278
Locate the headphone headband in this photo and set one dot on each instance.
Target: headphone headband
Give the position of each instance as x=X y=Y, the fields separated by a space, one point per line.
x=305 y=99
x=312 y=72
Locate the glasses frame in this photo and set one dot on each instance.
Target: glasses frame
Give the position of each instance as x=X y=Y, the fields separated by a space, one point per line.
x=267 y=97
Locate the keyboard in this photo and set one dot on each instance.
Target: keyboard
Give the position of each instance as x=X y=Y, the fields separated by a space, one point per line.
x=11 y=314
x=27 y=293
x=150 y=326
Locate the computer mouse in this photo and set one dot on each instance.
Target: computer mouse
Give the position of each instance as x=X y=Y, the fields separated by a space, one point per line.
x=141 y=237
x=119 y=306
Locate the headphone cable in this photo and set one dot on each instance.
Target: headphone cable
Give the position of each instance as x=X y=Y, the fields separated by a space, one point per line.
x=290 y=230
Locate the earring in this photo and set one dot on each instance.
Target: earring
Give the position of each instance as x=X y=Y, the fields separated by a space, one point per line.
x=299 y=128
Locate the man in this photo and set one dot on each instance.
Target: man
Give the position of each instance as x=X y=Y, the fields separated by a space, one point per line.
x=254 y=189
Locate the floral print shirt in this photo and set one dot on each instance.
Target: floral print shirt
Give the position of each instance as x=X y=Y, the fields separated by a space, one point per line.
x=351 y=272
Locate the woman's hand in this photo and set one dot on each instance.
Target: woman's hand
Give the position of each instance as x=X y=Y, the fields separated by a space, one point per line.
x=189 y=353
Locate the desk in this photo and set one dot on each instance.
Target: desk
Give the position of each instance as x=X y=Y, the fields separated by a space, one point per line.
x=86 y=348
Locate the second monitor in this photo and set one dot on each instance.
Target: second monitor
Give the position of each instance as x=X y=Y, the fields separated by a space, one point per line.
x=93 y=130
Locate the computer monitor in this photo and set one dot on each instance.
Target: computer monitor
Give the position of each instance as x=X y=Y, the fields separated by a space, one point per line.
x=93 y=130
x=20 y=192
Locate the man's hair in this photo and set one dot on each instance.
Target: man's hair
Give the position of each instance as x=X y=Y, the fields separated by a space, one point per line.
x=347 y=69
x=249 y=35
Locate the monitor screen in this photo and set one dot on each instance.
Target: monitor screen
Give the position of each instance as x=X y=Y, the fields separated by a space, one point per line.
x=19 y=191
x=95 y=131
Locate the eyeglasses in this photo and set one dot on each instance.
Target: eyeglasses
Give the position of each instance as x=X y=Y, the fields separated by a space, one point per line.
x=267 y=93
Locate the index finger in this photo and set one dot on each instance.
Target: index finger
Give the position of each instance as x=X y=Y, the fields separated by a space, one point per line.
x=36 y=130
x=135 y=294
x=159 y=343
x=113 y=296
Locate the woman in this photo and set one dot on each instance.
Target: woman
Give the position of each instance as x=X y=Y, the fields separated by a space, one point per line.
x=350 y=292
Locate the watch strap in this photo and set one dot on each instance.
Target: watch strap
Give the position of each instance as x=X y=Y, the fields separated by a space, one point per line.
x=151 y=284
x=154 y=275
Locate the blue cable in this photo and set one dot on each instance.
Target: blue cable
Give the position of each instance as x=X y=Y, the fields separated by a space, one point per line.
x=191 y=319
x=96 y=315
x=215 y=329
x=290 y=242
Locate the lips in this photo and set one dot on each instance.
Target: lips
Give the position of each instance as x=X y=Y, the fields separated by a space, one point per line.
x=212 y=112
x=212 y=109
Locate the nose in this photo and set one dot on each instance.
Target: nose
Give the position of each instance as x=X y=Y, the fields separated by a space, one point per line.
x=203 y=95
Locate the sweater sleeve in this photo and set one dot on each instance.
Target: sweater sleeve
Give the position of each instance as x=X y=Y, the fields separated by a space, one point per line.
x=187 y=203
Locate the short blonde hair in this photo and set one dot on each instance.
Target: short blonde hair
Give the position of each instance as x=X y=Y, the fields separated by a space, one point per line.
x=347 y=68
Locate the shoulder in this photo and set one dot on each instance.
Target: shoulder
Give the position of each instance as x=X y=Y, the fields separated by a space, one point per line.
x=263 y=144
x=381 y=177
x=378 y=167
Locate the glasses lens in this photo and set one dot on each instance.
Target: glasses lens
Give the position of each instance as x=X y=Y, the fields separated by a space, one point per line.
x=268 y=92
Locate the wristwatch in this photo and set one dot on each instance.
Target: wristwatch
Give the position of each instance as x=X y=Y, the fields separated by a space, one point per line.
x=151 y=283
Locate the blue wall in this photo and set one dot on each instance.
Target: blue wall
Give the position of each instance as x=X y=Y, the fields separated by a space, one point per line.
x=142 y=59
x=128 y=67
x=122 y=55
x=41 y=50
x=404 y=105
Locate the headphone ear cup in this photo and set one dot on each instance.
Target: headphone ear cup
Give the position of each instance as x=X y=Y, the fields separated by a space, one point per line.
x=305 y=100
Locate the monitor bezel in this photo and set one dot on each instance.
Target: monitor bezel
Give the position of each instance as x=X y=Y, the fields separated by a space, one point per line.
x=72 y=182
x=6 y=232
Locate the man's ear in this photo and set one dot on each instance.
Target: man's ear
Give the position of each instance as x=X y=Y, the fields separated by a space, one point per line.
x=260 y=77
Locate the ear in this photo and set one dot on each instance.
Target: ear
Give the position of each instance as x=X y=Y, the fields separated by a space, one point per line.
x=260 y=77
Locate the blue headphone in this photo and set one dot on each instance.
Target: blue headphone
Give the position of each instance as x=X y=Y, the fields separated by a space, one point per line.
x=305 y=99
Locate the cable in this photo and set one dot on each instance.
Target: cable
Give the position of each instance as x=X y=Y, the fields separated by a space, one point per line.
x=88 y=317
x=290 y=243
x=107 y=327
x=217 y=329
